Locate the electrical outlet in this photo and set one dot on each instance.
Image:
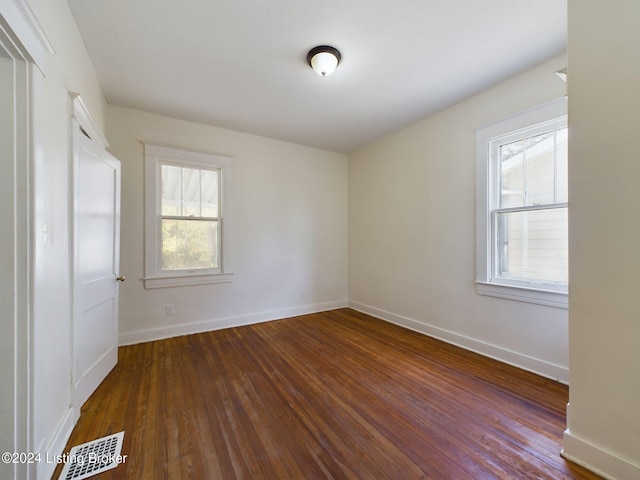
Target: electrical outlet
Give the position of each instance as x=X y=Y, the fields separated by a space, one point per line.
x=169 y=310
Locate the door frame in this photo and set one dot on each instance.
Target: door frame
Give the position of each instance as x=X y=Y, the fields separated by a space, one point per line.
x=25 y=44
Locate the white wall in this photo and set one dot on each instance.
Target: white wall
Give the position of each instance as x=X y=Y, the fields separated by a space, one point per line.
x=68 y=69
x=412 y=232
x=604 y=320
x=289 y=234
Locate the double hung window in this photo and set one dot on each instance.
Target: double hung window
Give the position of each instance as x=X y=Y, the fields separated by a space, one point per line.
x=187 y=218
x=523 y=207
x=190 y=217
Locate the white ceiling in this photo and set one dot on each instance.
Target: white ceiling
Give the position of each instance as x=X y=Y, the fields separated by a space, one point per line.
x=241 y=64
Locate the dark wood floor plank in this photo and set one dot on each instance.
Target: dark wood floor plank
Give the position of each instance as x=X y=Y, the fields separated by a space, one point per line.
x=336 y=395
x=317 y=407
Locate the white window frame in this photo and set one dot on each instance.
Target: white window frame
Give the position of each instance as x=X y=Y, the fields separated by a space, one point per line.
x=154 y=276
x=546 y=115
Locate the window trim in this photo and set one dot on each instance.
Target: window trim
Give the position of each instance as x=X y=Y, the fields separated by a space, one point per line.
x=154 y=276
x=542 y=115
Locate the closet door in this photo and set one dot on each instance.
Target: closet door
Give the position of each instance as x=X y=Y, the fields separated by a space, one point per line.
x=96 y=264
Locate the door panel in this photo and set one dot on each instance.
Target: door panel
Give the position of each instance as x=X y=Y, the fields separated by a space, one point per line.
x=96 y=337
x=96 y=240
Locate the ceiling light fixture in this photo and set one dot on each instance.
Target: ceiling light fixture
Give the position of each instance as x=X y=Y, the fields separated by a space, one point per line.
x=323 y=59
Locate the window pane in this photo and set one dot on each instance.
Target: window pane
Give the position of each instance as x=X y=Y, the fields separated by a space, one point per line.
x=189 y=244
x=533 y=245
x=171 y=190
x=540 y=169
x=210 y=193
x=512 y=174
x=562 y=149
x=191 y=192
x=533 y=171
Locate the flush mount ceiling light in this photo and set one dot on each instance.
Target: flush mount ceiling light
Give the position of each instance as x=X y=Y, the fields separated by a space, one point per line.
x=323 y=59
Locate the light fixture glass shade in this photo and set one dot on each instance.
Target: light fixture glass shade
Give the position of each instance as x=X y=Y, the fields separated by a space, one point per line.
x=323 y=60
x=324 y=63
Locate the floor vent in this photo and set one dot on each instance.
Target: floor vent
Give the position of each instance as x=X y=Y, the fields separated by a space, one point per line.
x=92 y=458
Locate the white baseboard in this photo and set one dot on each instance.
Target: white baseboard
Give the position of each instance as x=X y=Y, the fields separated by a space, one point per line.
x=535 y=365
x=93 y=377
x=606 y=464
x=130 y=338
x=47 y=464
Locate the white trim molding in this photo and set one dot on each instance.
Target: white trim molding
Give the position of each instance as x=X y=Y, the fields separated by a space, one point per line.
x=17 y=253
x=549 y=298
x=149 y=335
x=601 y=461
x=22 y=21
x=525 y=362
x=177 y=281
x=56 y=447
x=80 y=112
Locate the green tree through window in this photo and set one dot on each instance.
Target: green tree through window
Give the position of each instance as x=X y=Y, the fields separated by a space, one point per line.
x=190 y=217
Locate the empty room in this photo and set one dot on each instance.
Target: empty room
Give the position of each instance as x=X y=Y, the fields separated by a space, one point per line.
x=295 y=240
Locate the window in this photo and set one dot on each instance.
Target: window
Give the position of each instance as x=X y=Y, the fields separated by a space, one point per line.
x=187 y=218
x=522 y=211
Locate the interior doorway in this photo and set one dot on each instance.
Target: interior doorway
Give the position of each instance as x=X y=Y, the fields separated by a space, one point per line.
x=15 y=253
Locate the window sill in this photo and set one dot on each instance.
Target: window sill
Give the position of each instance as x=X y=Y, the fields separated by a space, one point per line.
x=186 y=280
x=549 y=298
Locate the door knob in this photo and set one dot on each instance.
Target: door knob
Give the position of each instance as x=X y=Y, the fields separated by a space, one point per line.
x=121 y=278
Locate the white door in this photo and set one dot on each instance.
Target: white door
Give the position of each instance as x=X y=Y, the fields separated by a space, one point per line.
x=96 y=263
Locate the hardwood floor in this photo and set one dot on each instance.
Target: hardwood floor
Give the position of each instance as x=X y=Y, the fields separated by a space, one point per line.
x=331 y=395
